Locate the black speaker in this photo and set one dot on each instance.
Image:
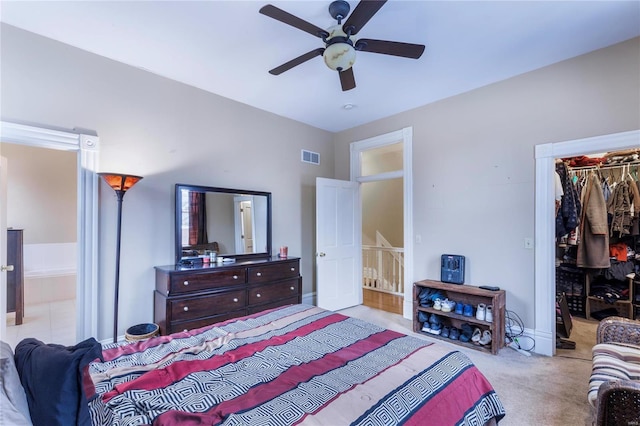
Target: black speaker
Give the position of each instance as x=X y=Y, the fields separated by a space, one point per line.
x=452 y=269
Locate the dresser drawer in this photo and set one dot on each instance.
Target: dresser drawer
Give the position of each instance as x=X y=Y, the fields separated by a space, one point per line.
x=270 y=292
x=179 y=326
x=190 y=283
x=277 y=271
x=206 y=306
x=259 y=308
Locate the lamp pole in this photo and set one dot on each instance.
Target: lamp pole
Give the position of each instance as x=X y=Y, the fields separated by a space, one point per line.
x=120 y=183
x=120 y=195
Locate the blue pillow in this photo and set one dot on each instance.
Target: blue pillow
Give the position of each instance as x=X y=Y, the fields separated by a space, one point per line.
x=52 y=379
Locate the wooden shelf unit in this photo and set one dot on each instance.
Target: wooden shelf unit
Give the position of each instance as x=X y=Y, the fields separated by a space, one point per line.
x=468 y=295
x=624 y=307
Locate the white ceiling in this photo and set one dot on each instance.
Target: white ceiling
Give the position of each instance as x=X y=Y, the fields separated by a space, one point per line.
x=227 y=47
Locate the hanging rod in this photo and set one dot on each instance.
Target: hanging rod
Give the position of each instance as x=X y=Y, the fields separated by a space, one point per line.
x=605 y=166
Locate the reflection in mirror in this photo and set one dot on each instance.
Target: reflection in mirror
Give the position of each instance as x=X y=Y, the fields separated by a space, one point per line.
x=228 y=222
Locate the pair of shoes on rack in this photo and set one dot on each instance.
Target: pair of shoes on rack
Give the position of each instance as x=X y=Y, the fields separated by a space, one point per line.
x=467 y=310
x=428 y=296
x=459 y=308
x=447 y=305
x=434 y=326
x=454 y=333
x=465 y=332
x=480 y=337
x=484 y=312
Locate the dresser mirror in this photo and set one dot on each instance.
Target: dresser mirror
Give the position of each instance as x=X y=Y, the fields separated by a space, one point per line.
x=230 y=222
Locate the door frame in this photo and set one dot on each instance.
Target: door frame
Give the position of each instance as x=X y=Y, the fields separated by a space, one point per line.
x=3 y=248
x=544 y=270
x=87 y=148
x=405 y=136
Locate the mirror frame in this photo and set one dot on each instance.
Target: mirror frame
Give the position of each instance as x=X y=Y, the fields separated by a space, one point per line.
x=199 y=188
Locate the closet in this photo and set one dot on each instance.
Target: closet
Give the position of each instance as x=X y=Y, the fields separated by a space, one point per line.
x=598 y=234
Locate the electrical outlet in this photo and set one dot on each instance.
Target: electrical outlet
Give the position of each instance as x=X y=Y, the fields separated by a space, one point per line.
x=528 y=243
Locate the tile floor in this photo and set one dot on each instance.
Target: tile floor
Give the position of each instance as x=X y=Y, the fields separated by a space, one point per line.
x=53 y=322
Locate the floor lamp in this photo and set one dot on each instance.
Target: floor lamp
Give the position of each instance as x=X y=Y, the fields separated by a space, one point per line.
x=120 y=183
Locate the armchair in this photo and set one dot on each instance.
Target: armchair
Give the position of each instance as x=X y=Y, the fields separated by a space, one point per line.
x=614 y=387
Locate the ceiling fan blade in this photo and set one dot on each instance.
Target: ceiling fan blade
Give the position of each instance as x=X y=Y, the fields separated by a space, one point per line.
x=395 y=48
x=361 y=15
x=289 y=19
x=347 y=79
x=297 y=61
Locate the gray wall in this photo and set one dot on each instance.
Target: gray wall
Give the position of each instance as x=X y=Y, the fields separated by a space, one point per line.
x=473 y=161
x=168 y=133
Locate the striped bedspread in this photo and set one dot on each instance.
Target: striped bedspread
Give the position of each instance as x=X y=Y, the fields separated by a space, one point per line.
x=294 y=365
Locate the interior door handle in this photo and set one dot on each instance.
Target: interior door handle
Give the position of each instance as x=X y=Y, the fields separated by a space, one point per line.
x=7 y=268
x=321 y=254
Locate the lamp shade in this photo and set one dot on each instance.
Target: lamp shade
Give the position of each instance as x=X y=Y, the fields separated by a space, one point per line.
x=119 y=181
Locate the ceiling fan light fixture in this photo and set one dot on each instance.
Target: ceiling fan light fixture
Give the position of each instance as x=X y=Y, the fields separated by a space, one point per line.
x=339 y=56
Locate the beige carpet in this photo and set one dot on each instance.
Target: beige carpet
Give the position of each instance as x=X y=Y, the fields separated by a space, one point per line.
x=534 y=390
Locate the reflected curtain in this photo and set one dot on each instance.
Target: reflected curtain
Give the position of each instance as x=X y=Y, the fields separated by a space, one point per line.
x=197 y=219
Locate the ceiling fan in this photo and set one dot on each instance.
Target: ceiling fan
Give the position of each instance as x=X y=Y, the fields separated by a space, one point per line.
x=340 y=48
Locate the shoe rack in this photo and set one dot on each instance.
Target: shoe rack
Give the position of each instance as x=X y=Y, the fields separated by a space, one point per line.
x=465 y=294
x=624 y=307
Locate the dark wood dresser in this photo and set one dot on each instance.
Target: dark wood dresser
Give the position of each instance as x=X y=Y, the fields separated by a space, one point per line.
x=188 y=297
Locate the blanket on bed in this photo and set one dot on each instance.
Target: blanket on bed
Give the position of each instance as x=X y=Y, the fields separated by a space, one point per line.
x=294 y=365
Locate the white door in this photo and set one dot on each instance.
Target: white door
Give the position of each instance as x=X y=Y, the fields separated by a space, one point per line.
x=247 y=226
x=3 y=248
x=338 y=246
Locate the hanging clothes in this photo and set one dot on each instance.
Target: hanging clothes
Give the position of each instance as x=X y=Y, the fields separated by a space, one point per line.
x=634 y=195
x=567 y=218
x=593 y=248
x=620 y=210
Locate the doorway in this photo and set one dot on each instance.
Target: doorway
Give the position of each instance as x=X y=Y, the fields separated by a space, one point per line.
x=86 y=147
x=382 y=166
x=43 y=241
x=545 y=154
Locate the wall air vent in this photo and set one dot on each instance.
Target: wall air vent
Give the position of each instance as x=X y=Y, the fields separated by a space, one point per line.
x=310 y=157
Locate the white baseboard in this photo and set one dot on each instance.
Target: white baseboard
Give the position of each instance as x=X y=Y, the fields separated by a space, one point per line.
x=309 y=298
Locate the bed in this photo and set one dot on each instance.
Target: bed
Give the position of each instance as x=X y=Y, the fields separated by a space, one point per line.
x=298 y=364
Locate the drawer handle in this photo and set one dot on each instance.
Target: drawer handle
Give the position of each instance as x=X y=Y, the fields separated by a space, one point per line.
x=293 y=269
x=235 y=299
x=235 y=277
x=258 y=295
x=292 y=288
x=186 y=308
x=186 y=283
x=259 y=274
